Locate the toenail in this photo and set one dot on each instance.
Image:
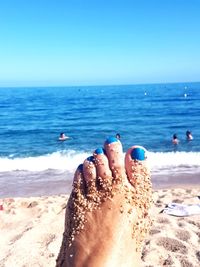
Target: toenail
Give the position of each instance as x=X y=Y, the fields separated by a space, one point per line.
x=138 y=153
x=99 y=151
x=80 y=167
x=111 y=140
x=91 y=159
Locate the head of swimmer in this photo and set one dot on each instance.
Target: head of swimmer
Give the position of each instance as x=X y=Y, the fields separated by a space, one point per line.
x=118 y=136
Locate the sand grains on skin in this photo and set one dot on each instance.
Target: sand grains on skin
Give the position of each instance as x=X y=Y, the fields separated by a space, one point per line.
x=110 y=211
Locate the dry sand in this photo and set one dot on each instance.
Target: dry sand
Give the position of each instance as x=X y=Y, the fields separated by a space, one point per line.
x=31 y=231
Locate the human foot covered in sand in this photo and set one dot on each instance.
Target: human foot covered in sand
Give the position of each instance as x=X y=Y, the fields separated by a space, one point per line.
x=107 y=213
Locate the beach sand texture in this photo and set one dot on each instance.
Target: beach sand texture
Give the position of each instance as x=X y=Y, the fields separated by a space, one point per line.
x=31 y=231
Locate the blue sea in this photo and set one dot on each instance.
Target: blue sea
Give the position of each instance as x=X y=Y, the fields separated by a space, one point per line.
x=34 y=162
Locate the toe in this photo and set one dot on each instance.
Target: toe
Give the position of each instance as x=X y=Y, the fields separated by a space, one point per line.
x=135 y=161
x=89 y=172
x=79 y=183
x=115 y=157
x=104 y=174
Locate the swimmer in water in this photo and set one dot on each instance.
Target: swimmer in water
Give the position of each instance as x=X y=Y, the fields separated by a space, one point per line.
x=175 y=140
x=63 y=137
x=107 y=214
x=118 y=136
x=189 y=136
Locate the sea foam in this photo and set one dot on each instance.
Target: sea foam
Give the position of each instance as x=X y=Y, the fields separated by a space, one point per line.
x=69 y=159
x=174 y=161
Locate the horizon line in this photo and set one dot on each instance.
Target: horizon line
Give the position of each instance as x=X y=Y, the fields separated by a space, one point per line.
x=96 y=85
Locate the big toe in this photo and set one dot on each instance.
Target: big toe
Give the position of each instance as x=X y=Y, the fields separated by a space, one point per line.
x=136 y=165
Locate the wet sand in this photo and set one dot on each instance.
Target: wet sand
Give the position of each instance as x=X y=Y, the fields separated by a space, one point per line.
x=176 y=180
x=31 y=231
x=61 y=183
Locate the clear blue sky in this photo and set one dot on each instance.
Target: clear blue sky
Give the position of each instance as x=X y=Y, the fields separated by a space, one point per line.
x=90 y=42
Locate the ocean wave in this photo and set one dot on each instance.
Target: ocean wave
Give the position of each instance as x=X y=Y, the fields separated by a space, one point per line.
x=69 y=159
x=64 y=160
x=174 y=161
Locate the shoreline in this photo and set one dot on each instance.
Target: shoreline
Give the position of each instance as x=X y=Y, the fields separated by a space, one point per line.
x=31 y=230
x=62 y=184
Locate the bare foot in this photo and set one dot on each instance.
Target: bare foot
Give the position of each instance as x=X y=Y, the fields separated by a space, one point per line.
x=107 y=213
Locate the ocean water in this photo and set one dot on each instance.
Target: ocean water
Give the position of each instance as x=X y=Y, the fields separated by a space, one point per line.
x=34 y=161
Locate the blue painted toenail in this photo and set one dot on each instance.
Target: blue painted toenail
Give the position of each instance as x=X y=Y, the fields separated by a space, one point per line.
x=99 y=151
x=91 y=158
x=138 y=153
x=80 y=167
x=111 y=140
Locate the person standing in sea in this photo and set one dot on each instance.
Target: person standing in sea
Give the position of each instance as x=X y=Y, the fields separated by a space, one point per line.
x=118 y=136
x=175 y=139
x=189 y=136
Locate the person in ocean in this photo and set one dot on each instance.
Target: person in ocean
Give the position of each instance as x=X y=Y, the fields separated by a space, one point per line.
x=107 y=214
x=118 y=136
x=63 y=137
x=175 y=139
x=189 y=136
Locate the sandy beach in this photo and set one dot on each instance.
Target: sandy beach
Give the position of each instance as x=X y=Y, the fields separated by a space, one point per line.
x=31 y=231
